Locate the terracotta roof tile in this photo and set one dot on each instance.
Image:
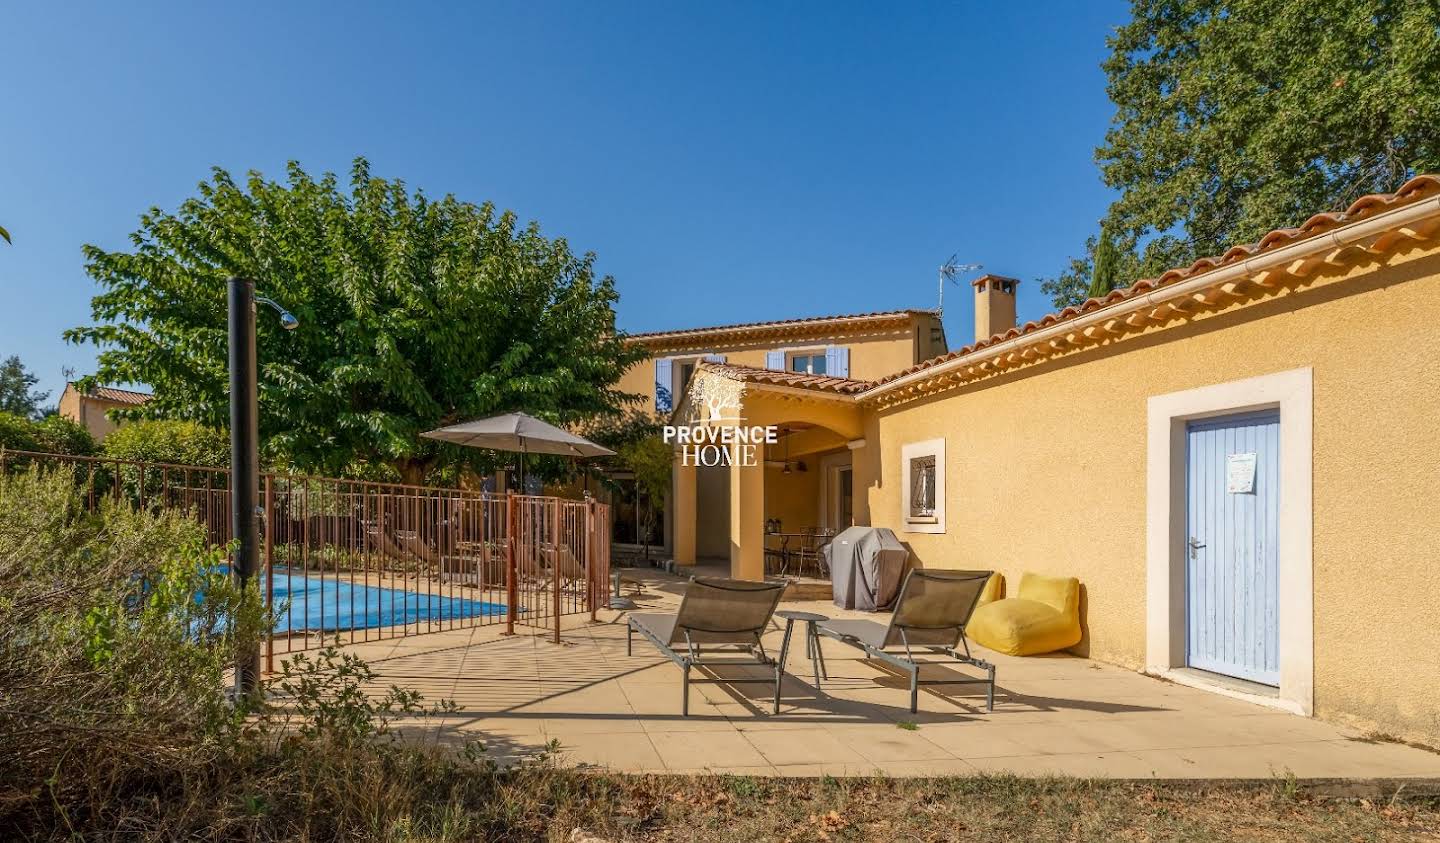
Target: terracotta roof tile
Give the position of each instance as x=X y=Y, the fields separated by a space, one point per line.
x=760 y=327
x=120 y=396
x=822 y=383
x=1366 y=206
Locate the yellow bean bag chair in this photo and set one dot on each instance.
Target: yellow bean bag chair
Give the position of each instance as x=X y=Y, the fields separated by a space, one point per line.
x=1042 y=618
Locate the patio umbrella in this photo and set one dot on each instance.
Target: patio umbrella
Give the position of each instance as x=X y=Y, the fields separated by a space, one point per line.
x=519 y=433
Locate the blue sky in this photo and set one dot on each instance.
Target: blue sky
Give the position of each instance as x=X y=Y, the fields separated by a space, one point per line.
x=727 y=162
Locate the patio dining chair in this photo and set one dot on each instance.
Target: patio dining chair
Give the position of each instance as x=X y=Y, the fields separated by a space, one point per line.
x=929 y=615
x=811 y=551
x=715 y=614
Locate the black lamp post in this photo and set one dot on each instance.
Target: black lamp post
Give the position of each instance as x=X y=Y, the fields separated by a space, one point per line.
x=245 y=453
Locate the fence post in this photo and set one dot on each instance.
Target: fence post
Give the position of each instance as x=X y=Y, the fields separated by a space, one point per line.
x=269 y=571
x=592 y=557
x=512 y=589
x=555 y=537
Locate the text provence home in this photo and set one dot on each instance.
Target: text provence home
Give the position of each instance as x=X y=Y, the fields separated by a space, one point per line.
x=710 y=446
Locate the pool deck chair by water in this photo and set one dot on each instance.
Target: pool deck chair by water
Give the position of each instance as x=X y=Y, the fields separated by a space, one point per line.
x=930 y=615
x=715 y=614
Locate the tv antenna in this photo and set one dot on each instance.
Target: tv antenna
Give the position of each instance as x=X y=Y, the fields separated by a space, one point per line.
x=950 y=271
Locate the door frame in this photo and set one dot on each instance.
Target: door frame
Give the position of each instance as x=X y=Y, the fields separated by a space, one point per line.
x=1291 y=393
x=830 y=466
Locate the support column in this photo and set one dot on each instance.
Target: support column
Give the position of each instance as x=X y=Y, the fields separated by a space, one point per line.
x=682 y=498
x=747 y=513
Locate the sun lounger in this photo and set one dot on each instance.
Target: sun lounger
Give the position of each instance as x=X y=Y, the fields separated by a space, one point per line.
x=715 y=614
x=930 y=615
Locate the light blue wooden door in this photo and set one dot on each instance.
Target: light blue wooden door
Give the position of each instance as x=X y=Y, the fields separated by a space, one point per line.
x=1233 y=503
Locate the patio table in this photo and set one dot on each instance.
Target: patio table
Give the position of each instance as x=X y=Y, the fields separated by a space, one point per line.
x=785 y=554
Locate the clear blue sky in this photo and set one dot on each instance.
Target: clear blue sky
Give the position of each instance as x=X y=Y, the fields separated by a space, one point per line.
x=727 y=162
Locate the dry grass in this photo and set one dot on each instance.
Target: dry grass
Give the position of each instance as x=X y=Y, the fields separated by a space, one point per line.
x=310 y=789
x=1003 y=808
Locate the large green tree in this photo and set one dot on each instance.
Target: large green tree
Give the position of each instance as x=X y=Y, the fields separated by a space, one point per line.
x=414 y=313
x=1235 y=117
x=17 y=389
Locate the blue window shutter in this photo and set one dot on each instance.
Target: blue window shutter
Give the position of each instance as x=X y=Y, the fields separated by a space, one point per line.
x=663 y=402
x=715 y=358
x=837 y=361
x=775 y=360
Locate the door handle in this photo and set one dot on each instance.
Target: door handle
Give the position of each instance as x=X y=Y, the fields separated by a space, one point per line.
x=1195 y=544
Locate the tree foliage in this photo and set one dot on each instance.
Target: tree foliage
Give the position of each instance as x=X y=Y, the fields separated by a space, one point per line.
x=17 y=389
x=414 y=313
x=651 y=459
x=1105 y=265
x=167 y=441
x=1235 y=117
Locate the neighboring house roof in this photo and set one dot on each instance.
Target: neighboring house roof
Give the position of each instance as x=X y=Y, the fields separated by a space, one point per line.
x=1414 y=190
x=119 y=396
x=780 y=327
x=774 y=377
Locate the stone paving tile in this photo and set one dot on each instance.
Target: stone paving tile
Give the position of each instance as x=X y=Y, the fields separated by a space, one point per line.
x=969 y=740
x=1054 y=714
x=890 y=743
x=625 y=752
x=697 y=750
x=804 y=746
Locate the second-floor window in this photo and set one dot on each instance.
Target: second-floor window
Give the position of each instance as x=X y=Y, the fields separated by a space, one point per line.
x=831 y=360
x=807 y=363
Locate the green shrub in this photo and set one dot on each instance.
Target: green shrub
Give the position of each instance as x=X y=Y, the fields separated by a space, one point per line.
x=59 y=435
x=17 y=433
x=109 y=662
x=53 y=434
x=177 y=442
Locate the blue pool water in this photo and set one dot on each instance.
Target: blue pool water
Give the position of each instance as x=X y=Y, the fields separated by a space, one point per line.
x=318 y=604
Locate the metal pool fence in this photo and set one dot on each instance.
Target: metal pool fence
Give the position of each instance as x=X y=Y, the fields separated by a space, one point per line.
x=362 y=561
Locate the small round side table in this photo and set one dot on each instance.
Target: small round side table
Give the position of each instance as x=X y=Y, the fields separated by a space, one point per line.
x=812 y=639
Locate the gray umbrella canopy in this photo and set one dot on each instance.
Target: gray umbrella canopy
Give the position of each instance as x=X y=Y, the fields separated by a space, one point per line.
x=520 y=433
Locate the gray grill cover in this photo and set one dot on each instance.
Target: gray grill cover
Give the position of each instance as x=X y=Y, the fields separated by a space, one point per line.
x=866 y=566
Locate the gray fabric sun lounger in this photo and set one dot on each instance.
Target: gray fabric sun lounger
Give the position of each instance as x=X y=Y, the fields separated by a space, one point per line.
x=930 y=614
x=715 y=613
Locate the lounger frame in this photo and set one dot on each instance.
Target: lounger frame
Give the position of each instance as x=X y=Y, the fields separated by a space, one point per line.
x=908 y=662
x=691 y=655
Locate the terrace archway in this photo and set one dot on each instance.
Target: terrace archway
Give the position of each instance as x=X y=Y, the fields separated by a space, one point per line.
x=799 y=479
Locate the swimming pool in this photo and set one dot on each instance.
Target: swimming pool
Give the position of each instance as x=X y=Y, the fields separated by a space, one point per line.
x=322 y=604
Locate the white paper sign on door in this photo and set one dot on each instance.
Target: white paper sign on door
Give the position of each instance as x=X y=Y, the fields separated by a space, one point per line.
x=1240 y=474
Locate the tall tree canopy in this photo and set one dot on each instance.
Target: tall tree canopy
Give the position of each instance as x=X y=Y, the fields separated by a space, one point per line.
x=1235 y=117
x=17 y=389
x=414 y=313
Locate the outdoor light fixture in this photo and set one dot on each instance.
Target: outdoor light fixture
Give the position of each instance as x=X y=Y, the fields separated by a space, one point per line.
x=287 y=319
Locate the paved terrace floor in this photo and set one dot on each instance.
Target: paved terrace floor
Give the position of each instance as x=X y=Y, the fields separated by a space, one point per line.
x=1053 y=715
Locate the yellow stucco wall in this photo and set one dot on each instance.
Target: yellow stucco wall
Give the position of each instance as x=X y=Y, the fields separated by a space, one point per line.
x=88 y=411
x=794 y=498
x=1046 y=471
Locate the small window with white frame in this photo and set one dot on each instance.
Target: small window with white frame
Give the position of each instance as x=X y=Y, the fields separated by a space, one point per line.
x=922 y=482
x=808 y=362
